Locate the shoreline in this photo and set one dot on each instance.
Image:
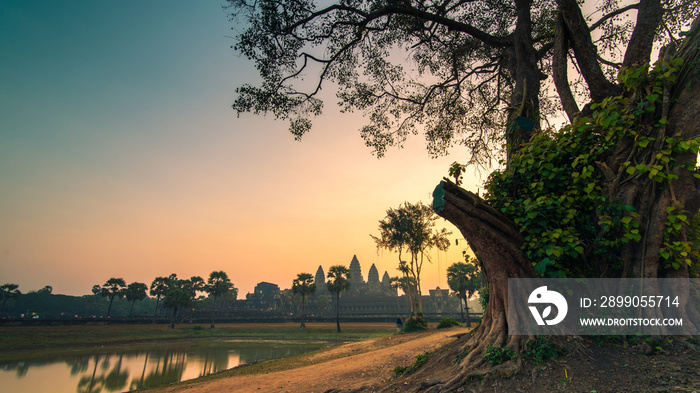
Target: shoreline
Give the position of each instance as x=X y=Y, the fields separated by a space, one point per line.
x=350 y=366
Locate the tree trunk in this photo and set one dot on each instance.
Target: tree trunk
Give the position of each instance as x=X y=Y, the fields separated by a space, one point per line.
x=337 y=311
x=461 y=309
x=213 y=311
x=109 y=309
x=496 y=241
x=303 y=312
x=155 y=312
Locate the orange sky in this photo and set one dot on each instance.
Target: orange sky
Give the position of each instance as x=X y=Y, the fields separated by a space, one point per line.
x=121 y=157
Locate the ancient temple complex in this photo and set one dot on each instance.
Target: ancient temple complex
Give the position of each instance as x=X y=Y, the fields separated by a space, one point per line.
x=376 y=297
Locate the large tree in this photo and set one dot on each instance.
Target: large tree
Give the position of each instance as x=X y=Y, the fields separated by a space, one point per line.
x=614 y=193
x=303 y=286
x=411 y=228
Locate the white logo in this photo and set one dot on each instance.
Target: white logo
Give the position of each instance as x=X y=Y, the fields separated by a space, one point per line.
x=542 y=295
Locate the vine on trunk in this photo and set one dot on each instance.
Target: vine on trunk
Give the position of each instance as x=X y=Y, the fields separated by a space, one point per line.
x=560 y=188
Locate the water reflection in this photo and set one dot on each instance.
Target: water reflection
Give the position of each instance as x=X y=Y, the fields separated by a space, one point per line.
x=126 y=370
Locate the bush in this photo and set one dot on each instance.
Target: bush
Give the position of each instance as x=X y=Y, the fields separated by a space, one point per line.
x=540 y=350
x=448 y=322
x=498 y=355
x=414 y=323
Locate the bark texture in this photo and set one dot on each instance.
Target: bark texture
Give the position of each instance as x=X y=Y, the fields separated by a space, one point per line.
x=496 y=242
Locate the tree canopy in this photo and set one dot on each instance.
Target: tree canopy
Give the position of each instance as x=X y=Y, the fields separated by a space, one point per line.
x=459 y=72
x=411 y=228
x=303 y=286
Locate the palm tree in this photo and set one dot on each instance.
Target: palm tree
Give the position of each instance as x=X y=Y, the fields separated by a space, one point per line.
x=177 y=296
x=304 y=286
x=197 y=285
x=9 y=292
x=465 y=279
x=218 y=285
x=338 y=281
x=135 y=291
x=158 y=288
x=114 y=287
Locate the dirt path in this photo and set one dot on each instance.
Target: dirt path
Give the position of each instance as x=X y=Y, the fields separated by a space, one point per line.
x=348 y=366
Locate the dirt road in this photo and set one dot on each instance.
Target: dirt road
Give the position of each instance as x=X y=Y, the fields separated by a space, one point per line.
x=348 y=366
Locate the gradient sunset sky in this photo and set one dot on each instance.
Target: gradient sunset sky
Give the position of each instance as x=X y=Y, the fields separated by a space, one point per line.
x=120 y=156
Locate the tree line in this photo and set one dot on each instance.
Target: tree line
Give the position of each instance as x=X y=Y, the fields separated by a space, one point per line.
x=170 y=293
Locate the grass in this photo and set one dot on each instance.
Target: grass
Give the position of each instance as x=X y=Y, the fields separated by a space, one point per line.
x=30 y=341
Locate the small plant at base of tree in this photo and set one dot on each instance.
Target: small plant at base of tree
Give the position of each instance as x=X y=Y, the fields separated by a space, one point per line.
x=448 y=322
x=498 y=355
x=414 y=323
x=420 y=360
x=540 y=349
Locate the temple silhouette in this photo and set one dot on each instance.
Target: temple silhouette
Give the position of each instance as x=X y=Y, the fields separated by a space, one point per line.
x=373 y=299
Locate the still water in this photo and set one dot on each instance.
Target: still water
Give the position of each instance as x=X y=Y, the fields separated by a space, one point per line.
x=119 y=371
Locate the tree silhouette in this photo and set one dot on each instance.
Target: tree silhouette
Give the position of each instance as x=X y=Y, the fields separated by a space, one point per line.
x=177 y=296
x=114 y=287
x=411 y=228
x=135 y=291
x=465 y=279
x=158 y=288
x=9 y=292
x=338 y=281
x=218 y=286
x=303 y=286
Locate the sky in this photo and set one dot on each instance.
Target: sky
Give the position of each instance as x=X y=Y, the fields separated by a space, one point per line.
x=120 y=156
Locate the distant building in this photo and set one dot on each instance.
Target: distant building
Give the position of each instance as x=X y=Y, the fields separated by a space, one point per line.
x=265 y=296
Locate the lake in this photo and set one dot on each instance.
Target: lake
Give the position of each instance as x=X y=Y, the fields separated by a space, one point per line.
x=116 y=370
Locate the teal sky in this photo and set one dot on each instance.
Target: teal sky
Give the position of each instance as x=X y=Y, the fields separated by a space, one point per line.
x=120 y=156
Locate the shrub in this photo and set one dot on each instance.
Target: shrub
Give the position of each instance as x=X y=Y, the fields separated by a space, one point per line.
x=498 y=355
x=540 y=350
x=448 y=322
x=414 y=323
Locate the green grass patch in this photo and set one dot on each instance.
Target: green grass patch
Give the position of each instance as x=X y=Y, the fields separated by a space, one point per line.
x=18 y=341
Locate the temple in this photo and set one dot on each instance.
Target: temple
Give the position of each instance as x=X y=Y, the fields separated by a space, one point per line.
x=377 y=298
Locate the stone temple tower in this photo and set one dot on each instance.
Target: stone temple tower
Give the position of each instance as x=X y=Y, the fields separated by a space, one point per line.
x=320 y=281
x=373 y=283
x=355 y=273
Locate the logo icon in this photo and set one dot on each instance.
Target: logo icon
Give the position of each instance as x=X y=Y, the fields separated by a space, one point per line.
x=542 y=296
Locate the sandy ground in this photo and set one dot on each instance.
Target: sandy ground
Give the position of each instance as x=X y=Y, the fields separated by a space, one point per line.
x=348 y=366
